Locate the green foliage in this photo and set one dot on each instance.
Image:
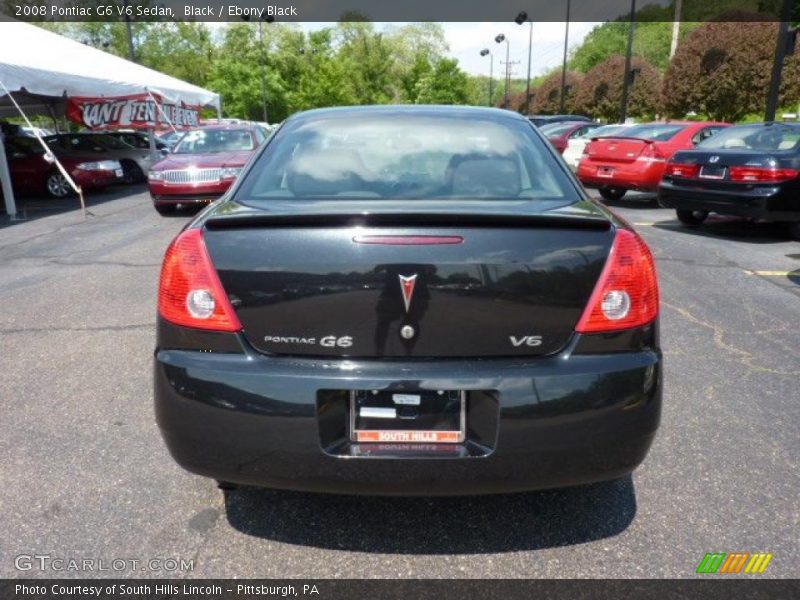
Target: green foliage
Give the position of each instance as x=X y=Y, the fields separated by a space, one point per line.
x=547 y=95
x=723 y=70
x=445 y=84
x=599 y=93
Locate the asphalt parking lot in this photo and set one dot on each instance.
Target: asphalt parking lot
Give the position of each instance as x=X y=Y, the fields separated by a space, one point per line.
x=86 y=475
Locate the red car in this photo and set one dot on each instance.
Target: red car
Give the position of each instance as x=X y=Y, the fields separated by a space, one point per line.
x=202 y=166
x=636 y=159
x=559 y=134
x=33 y=173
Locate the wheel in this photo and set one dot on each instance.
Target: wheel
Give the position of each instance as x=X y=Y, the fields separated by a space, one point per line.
x=57 y=185
x=131 y=172
x=794 y=230
x=612 y=193
x=164 y=209
x=692 y=218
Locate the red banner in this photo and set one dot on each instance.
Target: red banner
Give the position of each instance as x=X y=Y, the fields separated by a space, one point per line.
x=138 y=111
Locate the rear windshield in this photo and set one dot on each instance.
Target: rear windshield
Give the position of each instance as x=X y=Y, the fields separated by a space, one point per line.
x=769 y=138
x=556 y=129
x=606 y=130
x=405 y=156
x=656 y=132
x=205 y=141
x=109 y=141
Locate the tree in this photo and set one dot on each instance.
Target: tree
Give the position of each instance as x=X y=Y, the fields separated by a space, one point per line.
x=599 y=93
x=237 y=75
x=446 y=84
x=723 y=69
x=547 y=95
x=651 y=41
x=367 y=58
x=323 y=81
x=414 y=47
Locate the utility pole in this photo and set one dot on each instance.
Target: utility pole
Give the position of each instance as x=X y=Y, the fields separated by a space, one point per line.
x=263 y=69
x=564 y=66
x=623 y=111
x=781 y=47
x=676 y=28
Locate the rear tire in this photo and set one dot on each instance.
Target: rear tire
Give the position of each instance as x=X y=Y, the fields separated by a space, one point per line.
x=164 y=209
x=692 y=218
x=794 y=231
x=612 y=193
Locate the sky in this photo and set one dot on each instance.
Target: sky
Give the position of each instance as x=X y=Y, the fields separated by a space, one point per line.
x=466 y=40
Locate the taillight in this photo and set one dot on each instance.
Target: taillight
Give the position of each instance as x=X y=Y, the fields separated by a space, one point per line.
x=626 y=295
x=682 y=170
x=189 y=291
x=651 y=153
x=761 y=174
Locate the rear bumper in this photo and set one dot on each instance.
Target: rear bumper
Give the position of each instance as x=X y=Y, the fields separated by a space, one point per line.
x=531 y=424
x=638 y=175
x=764 y=202
x=91 y=180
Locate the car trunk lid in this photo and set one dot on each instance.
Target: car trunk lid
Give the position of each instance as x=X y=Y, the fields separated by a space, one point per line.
x=340 y=283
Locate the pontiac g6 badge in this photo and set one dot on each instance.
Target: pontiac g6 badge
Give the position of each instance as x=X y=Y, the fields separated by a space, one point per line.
x=407 y=283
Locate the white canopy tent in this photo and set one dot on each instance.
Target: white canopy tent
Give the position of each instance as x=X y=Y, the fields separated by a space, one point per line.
x=41 y=69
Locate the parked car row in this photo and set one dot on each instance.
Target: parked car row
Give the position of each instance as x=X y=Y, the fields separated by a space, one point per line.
x=750 y=170
x=33 y=171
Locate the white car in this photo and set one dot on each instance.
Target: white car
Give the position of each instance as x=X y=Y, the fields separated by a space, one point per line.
x=575 y=146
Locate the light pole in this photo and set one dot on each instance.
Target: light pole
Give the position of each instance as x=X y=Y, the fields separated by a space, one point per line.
x=626 y=81
x=488 y=52
x=129 y=31
x=564 y=65
x=500 y=38
x=521 y=18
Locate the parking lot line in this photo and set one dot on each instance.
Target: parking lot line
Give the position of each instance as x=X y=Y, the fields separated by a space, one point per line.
x=768 y=273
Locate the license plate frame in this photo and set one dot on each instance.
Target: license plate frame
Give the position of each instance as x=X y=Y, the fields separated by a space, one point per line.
x=717 y=172
x=378 y=425
x=606 y=172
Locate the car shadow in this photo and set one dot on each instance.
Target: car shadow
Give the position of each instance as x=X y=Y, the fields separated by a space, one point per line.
x=35 y=207
x=732 y=228
x=634 y=201
x=794 y=277
x=441 y=525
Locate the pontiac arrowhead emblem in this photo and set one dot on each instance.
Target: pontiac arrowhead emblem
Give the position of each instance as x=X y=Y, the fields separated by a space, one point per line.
x=407 y=283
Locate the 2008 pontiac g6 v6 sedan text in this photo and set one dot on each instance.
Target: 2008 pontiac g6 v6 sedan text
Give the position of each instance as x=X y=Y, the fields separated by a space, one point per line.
x=408 y=300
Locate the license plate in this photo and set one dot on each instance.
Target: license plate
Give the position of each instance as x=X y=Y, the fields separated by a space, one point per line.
x=118 y=172
x=605 y=172
x=712 y=172
x=423 y=417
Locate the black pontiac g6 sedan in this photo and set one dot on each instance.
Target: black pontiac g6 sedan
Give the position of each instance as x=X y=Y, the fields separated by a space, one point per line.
x=408 y=300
